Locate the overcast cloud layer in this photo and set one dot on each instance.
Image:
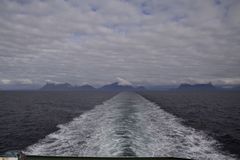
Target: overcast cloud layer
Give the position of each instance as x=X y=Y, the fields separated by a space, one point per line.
x=101 y=41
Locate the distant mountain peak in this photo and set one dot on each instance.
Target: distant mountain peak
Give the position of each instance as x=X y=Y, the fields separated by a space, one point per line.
x=86 y=87
x=116 y=86
x=123 y=82
x=205 y=86
x=65 y=86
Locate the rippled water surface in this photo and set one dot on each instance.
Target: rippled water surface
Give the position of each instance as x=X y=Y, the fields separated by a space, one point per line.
x=215 y=113
x=26 y=117
x=127 y=125
x=123 y=124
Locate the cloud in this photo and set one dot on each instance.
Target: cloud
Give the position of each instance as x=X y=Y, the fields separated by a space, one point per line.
x=228 y=81
x=6 y=81
x=16 y=81
x=123 y=82
x=146 y=42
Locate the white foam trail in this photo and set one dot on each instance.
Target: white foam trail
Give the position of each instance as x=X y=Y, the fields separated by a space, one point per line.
x=128 y=125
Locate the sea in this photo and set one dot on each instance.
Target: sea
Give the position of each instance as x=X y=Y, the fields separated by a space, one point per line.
x=196 y=125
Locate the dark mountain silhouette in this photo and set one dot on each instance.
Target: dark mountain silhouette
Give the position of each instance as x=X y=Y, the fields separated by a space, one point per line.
x=85 y=87
x=53 y=86
x=65 y=87
x=110 y=87
x=118 y=87
x=189 y=87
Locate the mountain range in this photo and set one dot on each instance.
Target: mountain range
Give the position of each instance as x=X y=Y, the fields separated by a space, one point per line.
x=189 y=87
x=117 y=86
x=109 y=87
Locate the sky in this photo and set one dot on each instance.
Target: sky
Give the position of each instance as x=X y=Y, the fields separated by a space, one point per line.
x=140 y=42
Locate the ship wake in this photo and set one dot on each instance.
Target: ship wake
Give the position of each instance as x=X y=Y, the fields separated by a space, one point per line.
x=127 y=125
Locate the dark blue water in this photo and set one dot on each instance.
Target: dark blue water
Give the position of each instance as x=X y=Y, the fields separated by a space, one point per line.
x=26 y=117
x=202 y=125
x=215 y=113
